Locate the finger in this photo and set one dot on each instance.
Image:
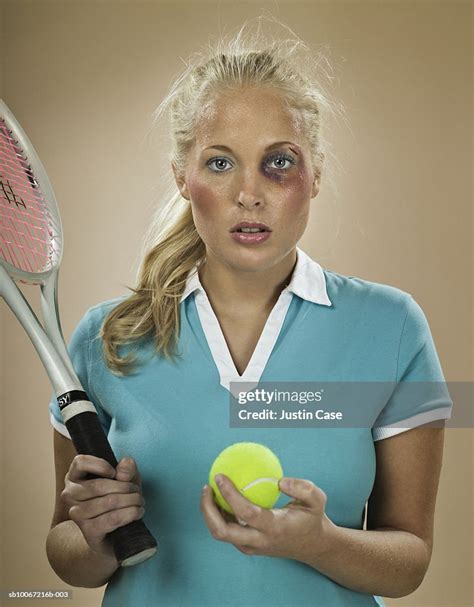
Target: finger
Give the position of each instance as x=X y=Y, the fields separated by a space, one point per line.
x=244 y=510
x=247 y=550
x=96 y=487
x=224 y=528
x=304 y=492
x=107 y=503
x=82 y=465
x=96 y=528
x=294 y=503
x=127 y=470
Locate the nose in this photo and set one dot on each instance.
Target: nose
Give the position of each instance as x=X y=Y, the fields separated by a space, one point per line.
x=250 y=195
x=248 y=202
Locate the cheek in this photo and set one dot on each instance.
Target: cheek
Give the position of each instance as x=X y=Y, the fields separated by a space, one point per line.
x=297 y=187
x=204 y=198
x=206 y=208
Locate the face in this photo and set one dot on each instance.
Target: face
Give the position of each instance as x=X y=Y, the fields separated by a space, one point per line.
x=263 y=175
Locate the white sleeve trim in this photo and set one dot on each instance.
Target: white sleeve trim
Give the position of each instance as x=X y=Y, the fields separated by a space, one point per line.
x=61 y=428
x=379 y=433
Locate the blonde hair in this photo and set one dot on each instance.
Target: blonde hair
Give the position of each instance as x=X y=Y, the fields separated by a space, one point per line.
x=170 y=252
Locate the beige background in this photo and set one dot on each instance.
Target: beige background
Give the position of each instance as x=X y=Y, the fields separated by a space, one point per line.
x=83 y=78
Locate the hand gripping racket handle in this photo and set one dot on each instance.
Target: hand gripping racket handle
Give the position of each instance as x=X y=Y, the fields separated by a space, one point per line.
x=132 y=543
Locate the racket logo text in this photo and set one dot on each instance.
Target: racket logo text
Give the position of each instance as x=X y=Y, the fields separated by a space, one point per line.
x=10 y=195
x=71 y=397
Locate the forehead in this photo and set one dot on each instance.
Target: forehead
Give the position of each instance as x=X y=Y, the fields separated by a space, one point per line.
x=247 y=114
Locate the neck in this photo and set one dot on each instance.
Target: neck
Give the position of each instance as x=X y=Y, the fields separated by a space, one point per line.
x=231 y=290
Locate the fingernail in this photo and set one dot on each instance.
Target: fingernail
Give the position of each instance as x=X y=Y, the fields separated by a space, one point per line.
x=204 y=489
x=285 y=484
x=219 y=479
x=241 y=522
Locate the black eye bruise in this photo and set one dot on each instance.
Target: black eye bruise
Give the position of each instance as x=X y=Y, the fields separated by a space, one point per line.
x=275 y=174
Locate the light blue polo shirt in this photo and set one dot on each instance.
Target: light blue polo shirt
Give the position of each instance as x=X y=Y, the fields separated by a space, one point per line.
x=173 y=419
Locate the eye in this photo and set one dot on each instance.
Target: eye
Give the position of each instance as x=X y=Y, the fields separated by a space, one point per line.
x=219 y=160
x=280 y=157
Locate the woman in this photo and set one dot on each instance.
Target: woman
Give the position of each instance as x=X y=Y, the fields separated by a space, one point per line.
x=218 y=302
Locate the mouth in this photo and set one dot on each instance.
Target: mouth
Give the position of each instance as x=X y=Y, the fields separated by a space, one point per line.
x=246 y=227
x=246 y=233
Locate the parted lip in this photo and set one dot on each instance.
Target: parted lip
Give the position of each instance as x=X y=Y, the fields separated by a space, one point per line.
x=250 y=224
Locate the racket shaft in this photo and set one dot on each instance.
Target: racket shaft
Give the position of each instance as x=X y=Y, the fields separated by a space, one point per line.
x=52 y=324
x=62 y=377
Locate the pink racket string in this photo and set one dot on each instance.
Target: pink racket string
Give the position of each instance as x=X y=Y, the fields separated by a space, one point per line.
x=28 y=239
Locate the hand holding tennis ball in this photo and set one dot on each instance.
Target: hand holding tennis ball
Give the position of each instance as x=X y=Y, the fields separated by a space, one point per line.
x=255 y=471
x=300 y=530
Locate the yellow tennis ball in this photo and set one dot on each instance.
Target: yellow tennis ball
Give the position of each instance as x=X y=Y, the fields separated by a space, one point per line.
x=255 y=471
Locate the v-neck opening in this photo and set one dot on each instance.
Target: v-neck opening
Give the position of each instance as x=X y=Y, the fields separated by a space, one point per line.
x=220 y=350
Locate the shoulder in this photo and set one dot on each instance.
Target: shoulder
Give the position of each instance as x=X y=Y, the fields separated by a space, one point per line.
x=96 y=314
x=350 y=292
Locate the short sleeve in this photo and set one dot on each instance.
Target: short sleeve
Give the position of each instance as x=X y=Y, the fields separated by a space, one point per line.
x=420 y=395
x=80 y=352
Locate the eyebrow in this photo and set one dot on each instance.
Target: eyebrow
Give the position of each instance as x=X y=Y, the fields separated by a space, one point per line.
x=269 y=147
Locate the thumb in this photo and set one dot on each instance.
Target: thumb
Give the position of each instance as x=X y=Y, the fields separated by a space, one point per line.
x=127 y=470
x=303 y=490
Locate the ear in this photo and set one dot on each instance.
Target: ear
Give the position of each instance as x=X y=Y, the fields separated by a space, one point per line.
x=317 y=174
x=180 y=182
x=315 y=187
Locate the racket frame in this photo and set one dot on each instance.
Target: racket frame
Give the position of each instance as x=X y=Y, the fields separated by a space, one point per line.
x=132 y=543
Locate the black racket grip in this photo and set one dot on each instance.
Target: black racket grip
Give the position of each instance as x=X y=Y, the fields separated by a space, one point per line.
x=132 y=543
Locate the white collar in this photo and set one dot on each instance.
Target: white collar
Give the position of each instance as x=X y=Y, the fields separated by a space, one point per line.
x=307 y=281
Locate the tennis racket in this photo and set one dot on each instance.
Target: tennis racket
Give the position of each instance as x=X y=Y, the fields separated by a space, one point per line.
x=31 y=247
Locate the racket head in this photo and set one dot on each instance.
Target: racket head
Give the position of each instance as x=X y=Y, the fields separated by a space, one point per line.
x=31 y=233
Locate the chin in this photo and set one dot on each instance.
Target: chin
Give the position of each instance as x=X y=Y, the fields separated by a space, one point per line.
x=252 y=258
